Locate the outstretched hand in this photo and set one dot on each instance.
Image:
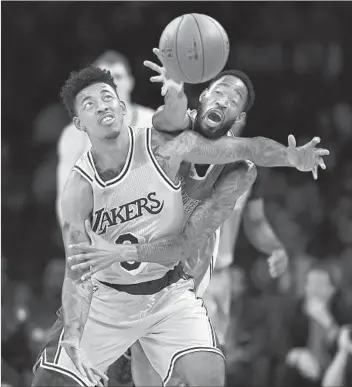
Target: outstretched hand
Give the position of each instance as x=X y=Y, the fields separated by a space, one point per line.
x=307 y=158
x=100 y=255
x=168 y=82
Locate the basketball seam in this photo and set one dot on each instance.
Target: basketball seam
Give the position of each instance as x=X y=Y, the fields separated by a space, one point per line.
x=223 y=46
x=179 y=64
x=203 y=50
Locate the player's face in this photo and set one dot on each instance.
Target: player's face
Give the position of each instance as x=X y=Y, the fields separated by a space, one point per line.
x=220 y=106
x=122 y=78
x=99 y=111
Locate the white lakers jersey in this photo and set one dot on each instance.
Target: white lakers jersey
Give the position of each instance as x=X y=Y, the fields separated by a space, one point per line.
x=139 y=205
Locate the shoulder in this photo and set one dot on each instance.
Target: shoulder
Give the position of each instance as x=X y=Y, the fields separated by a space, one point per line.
x=77 y=198
x=72 y=139
x=144 y=110
x=144 y=116
x=174 y=145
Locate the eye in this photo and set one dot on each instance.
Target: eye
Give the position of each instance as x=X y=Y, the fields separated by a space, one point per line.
x=217 y=92
x=107 y=97
x=88 y=105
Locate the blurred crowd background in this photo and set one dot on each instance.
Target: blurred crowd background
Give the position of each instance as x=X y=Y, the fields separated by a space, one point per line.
x=299 y=57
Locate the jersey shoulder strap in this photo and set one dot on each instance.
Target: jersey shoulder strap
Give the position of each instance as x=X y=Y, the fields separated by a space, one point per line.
x=84 y=166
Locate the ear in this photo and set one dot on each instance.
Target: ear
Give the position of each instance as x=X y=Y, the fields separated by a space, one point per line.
x=123 y=108
x=131 y=83
x=203 y=95
x=241 y=117
x=78 y=124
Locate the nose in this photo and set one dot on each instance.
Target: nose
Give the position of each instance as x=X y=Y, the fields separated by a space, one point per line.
x=102 y=107
x=222 y=102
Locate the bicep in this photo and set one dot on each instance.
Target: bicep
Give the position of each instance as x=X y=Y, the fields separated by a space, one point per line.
x=77 y=206
x=197 y=149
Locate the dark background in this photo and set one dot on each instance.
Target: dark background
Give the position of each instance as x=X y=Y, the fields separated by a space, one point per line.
x=298 y=55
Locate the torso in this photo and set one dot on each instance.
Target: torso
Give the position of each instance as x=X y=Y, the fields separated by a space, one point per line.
x=139 y=205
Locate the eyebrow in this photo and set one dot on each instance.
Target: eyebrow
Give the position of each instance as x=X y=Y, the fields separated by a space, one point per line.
x=234 y=89
x=105 y=90
x=84 y=99
x=101 y=91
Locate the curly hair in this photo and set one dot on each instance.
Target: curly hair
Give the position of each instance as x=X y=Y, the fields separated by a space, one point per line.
x=245 y=79
x=79 y=80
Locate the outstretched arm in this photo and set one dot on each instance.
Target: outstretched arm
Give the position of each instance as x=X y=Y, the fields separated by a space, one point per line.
x=172 y=116
x=203 y=222
x=192 y=147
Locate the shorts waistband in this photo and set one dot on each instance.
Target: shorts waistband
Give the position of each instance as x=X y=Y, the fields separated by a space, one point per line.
x=151 y=287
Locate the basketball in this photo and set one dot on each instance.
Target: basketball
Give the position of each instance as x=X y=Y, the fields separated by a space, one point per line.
x=194 y=48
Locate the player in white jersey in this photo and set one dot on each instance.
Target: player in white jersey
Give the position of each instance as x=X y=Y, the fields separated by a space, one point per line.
x=152 y=303
x=73 y=143
x=196 y=188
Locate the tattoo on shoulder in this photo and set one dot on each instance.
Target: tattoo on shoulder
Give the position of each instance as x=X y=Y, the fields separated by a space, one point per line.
x=163 y=158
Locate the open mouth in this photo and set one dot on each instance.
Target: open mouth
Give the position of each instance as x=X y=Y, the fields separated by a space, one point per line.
x=107 y=119
x=215 y=116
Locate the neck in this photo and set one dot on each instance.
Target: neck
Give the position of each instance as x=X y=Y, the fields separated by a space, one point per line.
x=130 y=112
x=111 y=153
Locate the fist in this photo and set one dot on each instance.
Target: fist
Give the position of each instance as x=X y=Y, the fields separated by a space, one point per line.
x=278 y=263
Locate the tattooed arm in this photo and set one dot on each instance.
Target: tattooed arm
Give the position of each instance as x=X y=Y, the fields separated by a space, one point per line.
x=77 y=205
x=192 y=147
x=172 y=116
x=205 y=219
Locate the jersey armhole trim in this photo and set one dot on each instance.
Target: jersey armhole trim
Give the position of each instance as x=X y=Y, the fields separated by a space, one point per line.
x=82 y=173
x=157 y=166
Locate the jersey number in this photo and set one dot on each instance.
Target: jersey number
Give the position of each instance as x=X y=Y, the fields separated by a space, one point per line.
x=128 y=239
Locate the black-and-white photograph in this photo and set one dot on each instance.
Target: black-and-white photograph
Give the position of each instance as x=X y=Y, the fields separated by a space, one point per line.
x=176 y=193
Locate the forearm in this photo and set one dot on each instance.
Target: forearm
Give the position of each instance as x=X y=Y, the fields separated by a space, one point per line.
x=261 y=151
x=173 y=115
x=230 y=229
x=76 y=300
x=259 y=231
x=334 y=375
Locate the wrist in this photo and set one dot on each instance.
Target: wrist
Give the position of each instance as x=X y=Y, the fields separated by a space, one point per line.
x=174 y=88
x=70 y=342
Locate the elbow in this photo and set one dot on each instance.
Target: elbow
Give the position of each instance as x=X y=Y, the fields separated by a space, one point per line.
x=252 y=172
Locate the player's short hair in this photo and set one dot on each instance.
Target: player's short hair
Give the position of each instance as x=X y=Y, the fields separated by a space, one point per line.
x=245 y=79
x=111 y=57
x=81 y=79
